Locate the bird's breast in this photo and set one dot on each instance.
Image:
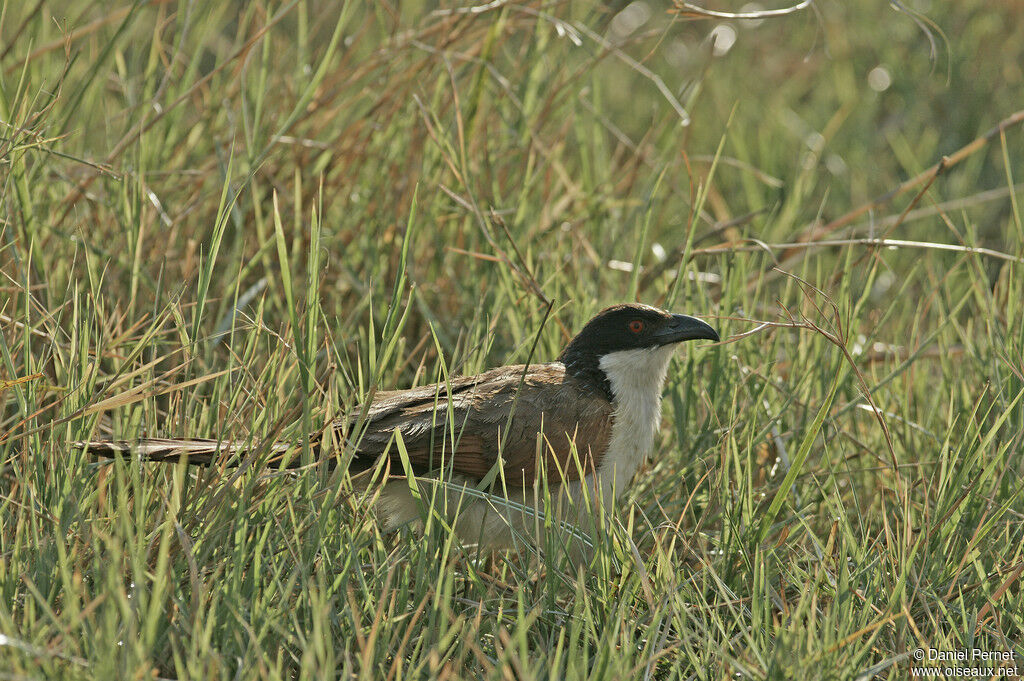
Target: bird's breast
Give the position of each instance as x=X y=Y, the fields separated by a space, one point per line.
x=633 y=427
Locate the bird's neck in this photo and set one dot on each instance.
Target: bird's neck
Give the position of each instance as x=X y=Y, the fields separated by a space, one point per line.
x=585 y=367
x=636 y=378
x=637 y=375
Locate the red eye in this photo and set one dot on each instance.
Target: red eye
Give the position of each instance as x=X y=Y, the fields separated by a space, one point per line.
x=636 y=326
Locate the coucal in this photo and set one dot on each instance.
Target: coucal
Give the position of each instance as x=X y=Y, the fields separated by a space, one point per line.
x=585 y=422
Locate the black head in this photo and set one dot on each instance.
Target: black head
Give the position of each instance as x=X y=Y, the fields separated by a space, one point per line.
x=633 y=326
x=628 y=327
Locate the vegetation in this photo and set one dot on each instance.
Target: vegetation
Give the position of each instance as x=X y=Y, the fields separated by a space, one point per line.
x=235 y=220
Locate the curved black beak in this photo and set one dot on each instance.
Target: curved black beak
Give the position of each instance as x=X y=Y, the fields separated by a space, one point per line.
x=683 y=328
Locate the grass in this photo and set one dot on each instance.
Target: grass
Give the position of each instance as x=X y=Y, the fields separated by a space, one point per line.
x=237 y=220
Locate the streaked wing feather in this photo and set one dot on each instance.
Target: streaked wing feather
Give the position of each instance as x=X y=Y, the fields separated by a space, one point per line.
x=546 y=401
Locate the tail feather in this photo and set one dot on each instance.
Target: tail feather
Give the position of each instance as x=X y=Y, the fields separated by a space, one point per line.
x=196 y=451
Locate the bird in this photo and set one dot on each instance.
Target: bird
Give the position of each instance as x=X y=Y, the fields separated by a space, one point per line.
x=494 y=444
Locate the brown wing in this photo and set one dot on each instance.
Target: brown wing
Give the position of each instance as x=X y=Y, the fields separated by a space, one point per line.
x=462 y=428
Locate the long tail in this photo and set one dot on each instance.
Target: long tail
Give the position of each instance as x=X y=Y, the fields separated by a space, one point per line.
x=198 y=452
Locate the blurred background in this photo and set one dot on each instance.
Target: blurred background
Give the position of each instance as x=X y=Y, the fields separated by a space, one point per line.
x=588 y=129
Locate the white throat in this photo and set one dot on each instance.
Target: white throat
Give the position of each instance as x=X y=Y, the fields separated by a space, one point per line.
x=636 y=378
